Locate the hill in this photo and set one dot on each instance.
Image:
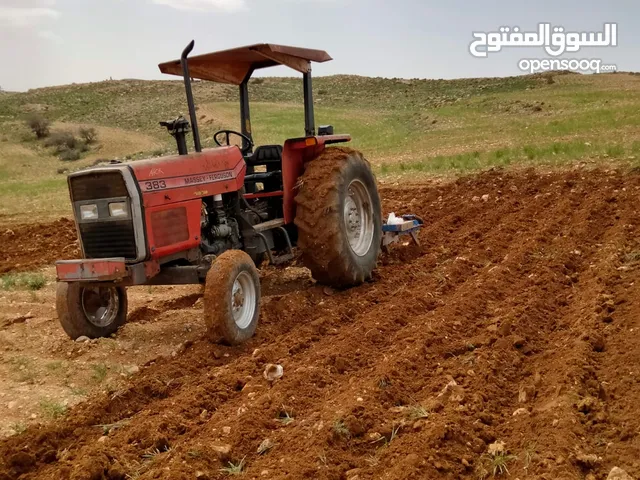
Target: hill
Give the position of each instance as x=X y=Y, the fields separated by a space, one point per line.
x=432 y=126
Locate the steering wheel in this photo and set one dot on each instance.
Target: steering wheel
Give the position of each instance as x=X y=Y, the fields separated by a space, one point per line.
x=229 y=132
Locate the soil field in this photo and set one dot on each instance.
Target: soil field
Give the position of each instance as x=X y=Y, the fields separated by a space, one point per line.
x=507 y=344
x=27 y=246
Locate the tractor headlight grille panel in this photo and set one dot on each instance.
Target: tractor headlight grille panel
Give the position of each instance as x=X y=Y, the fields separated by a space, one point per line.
x=118 y=209
x=89 y=212
x=104 y=215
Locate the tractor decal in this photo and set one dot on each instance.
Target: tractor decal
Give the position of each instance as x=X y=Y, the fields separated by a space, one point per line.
x=178 y=182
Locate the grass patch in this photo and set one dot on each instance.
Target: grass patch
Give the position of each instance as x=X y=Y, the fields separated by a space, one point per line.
x=340 y=429
x=285 y=416
x=23 y=369
x=234 y=468
x=18 y=427
x=555 y=153
x=57 y=366
x=384 y=383
x=25 y=281
x=498 y=464
x=108 y=427
x=52 y=409
x=416 y=412
x=630 y=257
x=495 y=463
x=152 y=453
x=100 y=371
x=79 y=391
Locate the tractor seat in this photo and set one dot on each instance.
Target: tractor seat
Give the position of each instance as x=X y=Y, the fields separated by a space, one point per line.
x=265 y=154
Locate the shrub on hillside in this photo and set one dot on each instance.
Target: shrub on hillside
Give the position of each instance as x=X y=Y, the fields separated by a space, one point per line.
x=69 y=155
x=38 y=124
x=66 y=145
x=89 y=135
x=62 y=141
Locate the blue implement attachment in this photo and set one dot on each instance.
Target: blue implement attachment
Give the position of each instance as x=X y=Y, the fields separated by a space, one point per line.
x=391 y=232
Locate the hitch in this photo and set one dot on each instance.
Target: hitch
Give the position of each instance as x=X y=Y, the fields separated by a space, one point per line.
x=395 y=227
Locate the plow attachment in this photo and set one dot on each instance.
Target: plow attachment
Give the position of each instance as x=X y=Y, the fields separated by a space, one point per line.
x=396 y=227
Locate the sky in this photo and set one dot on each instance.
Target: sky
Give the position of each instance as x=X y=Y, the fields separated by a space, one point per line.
x=53 y=42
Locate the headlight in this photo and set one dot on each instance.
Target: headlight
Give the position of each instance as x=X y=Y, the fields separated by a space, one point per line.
x=88 y=212
x=118 y=209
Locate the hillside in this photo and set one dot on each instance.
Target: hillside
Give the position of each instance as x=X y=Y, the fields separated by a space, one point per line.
x=431 y=126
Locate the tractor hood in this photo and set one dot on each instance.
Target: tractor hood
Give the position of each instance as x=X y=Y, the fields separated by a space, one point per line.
x=184 y=177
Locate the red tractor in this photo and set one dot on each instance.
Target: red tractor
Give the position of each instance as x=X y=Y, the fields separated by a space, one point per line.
x=212 y=215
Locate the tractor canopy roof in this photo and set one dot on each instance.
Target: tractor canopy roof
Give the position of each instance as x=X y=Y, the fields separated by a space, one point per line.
x=237 y=64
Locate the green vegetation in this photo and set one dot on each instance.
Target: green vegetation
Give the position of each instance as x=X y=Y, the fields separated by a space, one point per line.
x=285 y=417
x=18 y=427
x=100 y=371
x=234 y=468
x=56 y=366
x=556 y=153
x=23 y=369
x=405 y=127
x=417 y=412
x=26 y=280
x=66 y=145
x=38 y=125
x=52 y=409
x=340 y=429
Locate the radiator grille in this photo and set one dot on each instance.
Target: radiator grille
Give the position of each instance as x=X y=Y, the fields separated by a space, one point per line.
x=92 y=186
x=108 y=239
x=104 y=238
x=170 y=226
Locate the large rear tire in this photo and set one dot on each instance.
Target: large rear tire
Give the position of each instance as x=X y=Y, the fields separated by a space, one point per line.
x=339 y=218
x=90 y=311
x=232 y=298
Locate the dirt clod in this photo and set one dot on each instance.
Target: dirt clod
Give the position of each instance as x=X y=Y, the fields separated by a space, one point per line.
x=618 y=474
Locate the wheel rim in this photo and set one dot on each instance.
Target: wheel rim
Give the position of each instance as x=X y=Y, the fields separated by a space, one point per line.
x=243 y=300
x=358 y=218
x=100 y=305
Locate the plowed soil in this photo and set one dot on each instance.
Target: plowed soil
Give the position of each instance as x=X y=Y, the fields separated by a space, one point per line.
x=28 y=246
x=516 y=321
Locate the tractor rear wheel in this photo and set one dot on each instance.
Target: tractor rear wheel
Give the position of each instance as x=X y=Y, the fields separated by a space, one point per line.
x=339 y=218
x=90 y=311
x=232 y=297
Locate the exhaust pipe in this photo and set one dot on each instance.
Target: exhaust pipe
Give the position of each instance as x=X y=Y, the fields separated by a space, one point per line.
x=187 y=87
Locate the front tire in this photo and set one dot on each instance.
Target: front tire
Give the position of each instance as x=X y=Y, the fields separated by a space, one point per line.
x=339 y=218
x=232 y=298
x=90 y=311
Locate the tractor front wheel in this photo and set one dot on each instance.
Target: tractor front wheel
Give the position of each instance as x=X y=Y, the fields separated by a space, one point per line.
x=232 y=298
x=339 y=218
x=90 y=311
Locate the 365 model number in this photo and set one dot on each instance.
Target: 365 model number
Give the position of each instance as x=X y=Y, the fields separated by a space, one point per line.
x=155 y=185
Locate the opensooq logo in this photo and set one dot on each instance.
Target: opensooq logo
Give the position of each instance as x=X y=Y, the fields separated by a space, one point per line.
x=554 y=40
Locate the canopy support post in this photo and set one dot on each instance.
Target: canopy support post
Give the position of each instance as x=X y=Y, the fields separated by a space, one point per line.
x=309 y=119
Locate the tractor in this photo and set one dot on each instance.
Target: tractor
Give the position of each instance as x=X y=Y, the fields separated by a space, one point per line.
x=211 y=216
